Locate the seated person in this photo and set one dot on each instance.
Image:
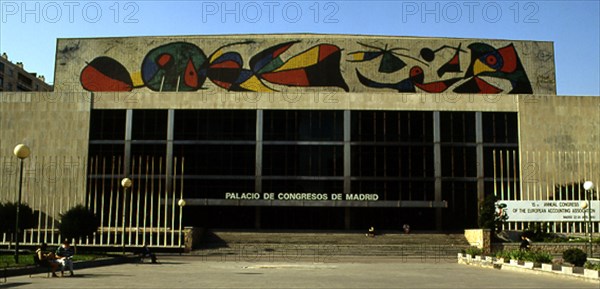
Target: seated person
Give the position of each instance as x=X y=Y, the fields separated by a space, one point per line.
x=46 y=259
x=64 y=255
x=371 y=232
x=147 y=253
x=406 y=228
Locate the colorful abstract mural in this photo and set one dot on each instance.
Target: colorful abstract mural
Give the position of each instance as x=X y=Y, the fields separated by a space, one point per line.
x=390 y=59
x=183 y=66
x=415 y=78
x=105 y=74
x=178 y=66
x=486 y=61
x=502 y=63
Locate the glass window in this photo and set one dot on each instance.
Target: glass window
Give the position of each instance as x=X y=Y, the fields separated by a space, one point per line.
x=215 y=188
x=25 y=79
x=303 y=160
x=392 y=190
x=462 y=204
x=459 y=161
x=399 y=126
x=107 y=124
x=392 y=161
x=223 y=159
x=303 y=186
x=149 y=124
x=303 y=125
x=106 y=157
x=500 y=127
x=215 y=125
x=457 y=127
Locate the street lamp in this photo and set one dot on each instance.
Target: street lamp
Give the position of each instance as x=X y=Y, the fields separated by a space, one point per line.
x=181 y=203
x=22 y=152
x=125 y=183
x=588 y=186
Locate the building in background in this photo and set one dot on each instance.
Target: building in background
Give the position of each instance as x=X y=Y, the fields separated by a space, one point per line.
x=14 y=77
x=298 y=132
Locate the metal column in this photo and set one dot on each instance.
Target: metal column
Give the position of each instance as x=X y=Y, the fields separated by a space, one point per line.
x=347 y=164
x=479 y=154
x=169 y=163
x=258 y=163
x=127 y=154
x=437 y=167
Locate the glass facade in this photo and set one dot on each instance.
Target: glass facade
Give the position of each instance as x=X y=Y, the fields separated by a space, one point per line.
x=388 y=153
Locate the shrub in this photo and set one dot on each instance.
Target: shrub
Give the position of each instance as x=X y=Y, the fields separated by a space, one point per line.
x=575 y=256
x=78 y=222
x=502 y=254
x=532 y=256
x=473 y=251
x=8 y=214
x=538 y=257
x=517 y=255
x=509 y=254
x=589 y=265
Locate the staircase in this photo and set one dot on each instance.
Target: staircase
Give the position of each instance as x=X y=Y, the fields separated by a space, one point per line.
x=329 y=246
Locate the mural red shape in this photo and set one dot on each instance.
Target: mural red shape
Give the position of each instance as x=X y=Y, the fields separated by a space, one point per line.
x=290 y=77
x=105 y=74
x=190 y=76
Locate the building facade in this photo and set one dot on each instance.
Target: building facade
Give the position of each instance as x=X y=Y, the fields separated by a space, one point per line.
x=300 y=132
x=13 y=77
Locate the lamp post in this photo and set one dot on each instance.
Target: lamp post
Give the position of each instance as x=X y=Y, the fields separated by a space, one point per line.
x=588 y=186
x=21 y=151
x=181 y=203
x=126 y=184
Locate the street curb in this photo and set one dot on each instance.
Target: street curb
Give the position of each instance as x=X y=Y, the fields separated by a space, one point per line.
x=30 y=270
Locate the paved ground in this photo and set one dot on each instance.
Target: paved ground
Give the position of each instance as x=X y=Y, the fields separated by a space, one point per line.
x=339 y=272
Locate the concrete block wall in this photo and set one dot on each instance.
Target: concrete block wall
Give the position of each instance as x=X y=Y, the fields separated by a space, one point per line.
x=55 y=126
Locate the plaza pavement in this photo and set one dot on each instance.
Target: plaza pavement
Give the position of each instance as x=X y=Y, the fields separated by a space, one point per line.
x=335 y=272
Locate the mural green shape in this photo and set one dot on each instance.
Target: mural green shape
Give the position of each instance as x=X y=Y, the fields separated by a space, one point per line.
x=177 y=66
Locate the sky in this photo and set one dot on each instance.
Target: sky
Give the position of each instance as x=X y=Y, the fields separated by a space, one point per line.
x=29 y=29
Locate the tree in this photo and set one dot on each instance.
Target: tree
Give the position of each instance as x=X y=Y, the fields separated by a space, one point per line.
x=78 y=222
x=491 y=214
x=8 y=214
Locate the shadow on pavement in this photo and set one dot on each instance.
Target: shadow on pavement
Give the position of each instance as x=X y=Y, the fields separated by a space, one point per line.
x=12 y=285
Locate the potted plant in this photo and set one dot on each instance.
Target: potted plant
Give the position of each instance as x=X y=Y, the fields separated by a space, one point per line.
x=591 y=270
x=576 y=257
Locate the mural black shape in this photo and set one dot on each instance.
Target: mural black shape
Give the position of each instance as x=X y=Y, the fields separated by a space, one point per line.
x=502 y=63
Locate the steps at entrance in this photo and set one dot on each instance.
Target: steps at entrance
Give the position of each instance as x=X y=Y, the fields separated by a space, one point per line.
x=245 y=245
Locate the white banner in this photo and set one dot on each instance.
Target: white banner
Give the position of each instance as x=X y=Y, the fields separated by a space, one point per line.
x=549 y=211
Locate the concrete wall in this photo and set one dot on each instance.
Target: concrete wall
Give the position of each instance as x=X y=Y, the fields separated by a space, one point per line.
x=307 y=100
x=559 y=143
x=55 y=126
